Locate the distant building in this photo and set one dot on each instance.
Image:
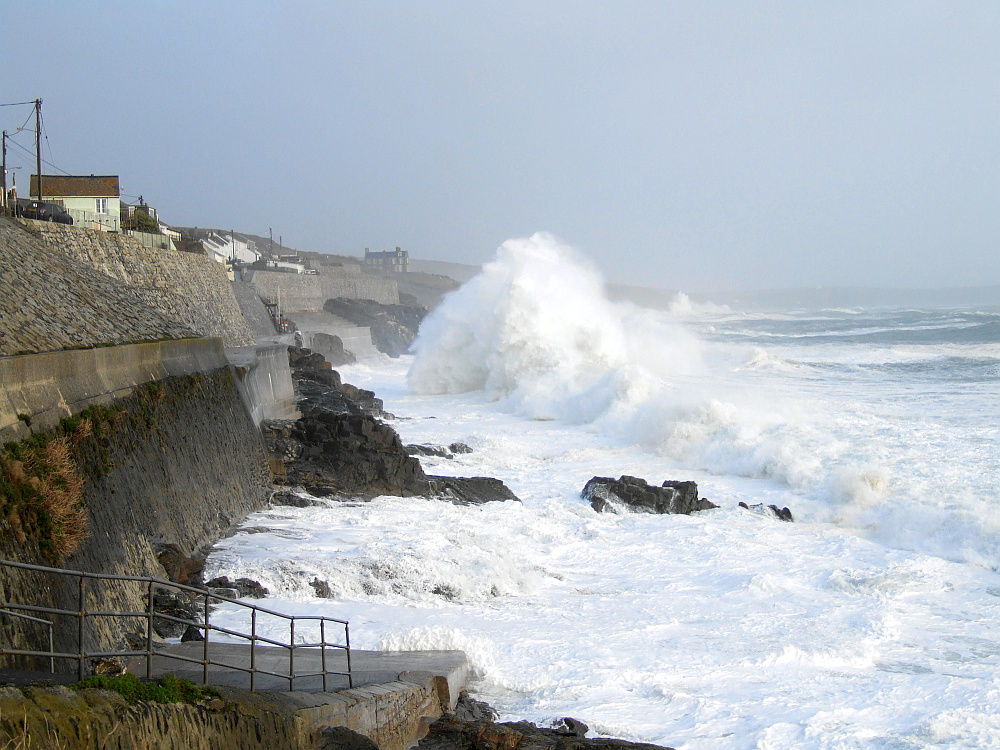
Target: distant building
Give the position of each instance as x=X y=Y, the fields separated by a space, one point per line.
x=93 y=201
x=398 y=261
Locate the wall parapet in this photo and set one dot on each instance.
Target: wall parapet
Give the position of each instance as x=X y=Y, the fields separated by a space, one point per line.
x=47 y=387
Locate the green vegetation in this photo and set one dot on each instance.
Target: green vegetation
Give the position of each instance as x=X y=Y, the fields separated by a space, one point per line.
x=42 y=477
x=139 y=221
x=41 y=480
x=169 y=689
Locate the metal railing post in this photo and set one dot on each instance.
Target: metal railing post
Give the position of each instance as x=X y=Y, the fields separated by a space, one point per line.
x=52 y=650
x=253 y=648
x=322 y=649
x=205 y=651
x=347 y=642
x=149 y=633
x=81 y=614
x=291 y=655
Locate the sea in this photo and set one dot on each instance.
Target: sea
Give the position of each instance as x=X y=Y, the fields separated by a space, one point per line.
x=870 y=621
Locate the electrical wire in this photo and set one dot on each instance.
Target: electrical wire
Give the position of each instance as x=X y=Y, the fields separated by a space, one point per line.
x=30 y=153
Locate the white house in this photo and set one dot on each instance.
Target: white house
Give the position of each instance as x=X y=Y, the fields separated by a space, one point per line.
x=93 y=201
x=225 y=247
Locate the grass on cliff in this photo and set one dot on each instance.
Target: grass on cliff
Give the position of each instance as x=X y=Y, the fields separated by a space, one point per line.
x=41 y=480
x=169 y=689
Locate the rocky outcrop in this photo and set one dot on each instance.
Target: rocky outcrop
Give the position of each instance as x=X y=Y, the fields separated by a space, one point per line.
x=631 y=493
x=440 y=451
x=470 y=490
x=782 y=514
x=332 y=349
x=393 y=327
x=340 y=447
x=472 y=727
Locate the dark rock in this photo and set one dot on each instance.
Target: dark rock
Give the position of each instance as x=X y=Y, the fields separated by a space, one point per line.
x=451 y=733
x=428 y=450
x=322 y=588
x=179 y=567
x=340 y=447
x=782 y=514
x=178 y=605
x=571 y=727
x=608 y=495
x=245 y=587
x=332 y=349
x=290 y=499
x=342 y=738
x=469 y=709
x=471 y=490
x=192 y=634
x=393 y=327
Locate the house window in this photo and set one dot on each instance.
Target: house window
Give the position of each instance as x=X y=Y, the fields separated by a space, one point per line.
x=102 y=205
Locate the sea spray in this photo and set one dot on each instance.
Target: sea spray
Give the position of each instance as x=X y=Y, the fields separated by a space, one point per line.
x=536 y=333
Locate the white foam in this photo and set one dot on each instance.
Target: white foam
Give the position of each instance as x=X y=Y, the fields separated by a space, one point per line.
x=869 y=622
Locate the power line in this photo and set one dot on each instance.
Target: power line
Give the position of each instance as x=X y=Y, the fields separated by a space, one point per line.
x=17 y=104
x=30 y=153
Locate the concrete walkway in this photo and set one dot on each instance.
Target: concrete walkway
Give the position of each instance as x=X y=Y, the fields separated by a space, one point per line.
x=368 y=667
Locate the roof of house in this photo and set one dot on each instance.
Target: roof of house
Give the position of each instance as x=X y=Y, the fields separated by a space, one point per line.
x=76 y=186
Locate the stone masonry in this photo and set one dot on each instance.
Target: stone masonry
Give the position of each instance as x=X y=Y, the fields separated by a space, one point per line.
x=192 y=289
x=49 y=301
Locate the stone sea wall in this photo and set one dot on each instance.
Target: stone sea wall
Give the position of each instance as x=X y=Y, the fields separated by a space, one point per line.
x=300 y=292
x=50 y=301
x=254 y=312
x=191 y=289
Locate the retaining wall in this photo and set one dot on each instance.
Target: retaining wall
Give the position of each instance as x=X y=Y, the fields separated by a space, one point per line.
x=265 y=381
x=47 y=387
x=306 y=292
x=50 y=301
x=183 y=474
x=393 y=715
x=189 y=288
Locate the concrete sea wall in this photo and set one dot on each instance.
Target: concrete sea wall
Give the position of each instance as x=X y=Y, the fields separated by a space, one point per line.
x=393 y=715
x=47 y=387
x=301 y=292
x=265 y=381
x=178 y=467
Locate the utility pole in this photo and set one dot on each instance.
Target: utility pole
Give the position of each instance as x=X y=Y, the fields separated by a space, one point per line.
x=38 y=145
x=270 y=246
x=3 y=177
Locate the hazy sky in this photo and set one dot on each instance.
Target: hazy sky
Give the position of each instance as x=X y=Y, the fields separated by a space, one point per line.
x=685 y=145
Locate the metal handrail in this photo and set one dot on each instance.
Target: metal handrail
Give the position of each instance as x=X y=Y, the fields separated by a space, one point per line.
x=48 y=623
x=150 y=614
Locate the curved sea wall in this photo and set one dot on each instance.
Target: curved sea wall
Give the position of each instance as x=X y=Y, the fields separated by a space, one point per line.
x=301 y=292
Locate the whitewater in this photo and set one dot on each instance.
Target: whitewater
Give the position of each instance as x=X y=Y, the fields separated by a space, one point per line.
x=869 y=622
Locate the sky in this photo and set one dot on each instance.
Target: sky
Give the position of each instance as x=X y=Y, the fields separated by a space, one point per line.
x=694 y=145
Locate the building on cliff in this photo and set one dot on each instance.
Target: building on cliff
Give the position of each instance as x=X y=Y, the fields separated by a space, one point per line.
x=398 y=261
x=93 y=201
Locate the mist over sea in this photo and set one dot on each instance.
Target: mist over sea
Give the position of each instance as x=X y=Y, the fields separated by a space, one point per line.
x=871 y=621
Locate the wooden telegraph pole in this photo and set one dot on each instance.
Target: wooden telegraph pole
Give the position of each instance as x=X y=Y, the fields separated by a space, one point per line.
x=38 y=145
x=3 y=172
